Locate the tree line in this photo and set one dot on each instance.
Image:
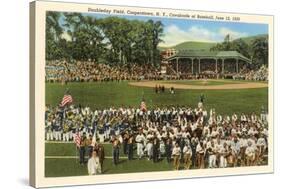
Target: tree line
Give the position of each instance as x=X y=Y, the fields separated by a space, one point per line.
x=115 y=40
x=256 y=50
x=110 y=40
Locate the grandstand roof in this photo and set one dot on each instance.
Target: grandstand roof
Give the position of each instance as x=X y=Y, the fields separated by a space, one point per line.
x=209 y=54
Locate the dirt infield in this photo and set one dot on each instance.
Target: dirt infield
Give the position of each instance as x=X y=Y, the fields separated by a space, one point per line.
x=228 y=85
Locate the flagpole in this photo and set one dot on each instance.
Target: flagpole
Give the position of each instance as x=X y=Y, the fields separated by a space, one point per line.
x=95 y=131
x=76 y=149
x=76 y=154
x=77 y=141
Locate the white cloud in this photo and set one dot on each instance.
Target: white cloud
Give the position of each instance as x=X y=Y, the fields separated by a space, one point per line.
x=174 y=35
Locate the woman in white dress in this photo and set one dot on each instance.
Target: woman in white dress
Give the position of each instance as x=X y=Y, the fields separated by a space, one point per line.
x=94 y=166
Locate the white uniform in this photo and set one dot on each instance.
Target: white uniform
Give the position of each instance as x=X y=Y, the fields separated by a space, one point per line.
x=50 y=135
x=199 y=148
x=261 y=142
x=235 y=146
x=176 y=151
x=162 y=148
x=140 y=140
x=187 y=150
x=149 y=149
x=101 y=137
x=65 y=136
x=223 y=161
x=212 y=157
x=250 y=152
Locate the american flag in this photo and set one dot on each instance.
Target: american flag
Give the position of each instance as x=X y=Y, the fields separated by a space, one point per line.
x=143 y=106
x=67 y=99
x=77 y=139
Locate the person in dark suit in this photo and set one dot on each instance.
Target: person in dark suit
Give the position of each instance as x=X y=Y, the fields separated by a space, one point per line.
x=101 y=155
x=125 y=142
x=89 y=147
x=156 y=89
x=168 y=149
x=82 y=149
x=193 y=149
x=115 y=149
x=202 y=98
x=130 y=146
x=155 y=149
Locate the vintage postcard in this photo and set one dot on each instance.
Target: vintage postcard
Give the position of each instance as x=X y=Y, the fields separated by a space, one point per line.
x=122 y=94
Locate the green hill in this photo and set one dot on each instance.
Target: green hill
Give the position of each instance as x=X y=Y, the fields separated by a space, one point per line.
x=250 y=39
x=192 y=45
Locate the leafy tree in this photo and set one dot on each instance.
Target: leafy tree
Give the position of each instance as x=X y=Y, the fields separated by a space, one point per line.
x=226 y=45
x=241 y=46
x=257 y=50
x=110 y=40
x=260 y=50
x=53 y=35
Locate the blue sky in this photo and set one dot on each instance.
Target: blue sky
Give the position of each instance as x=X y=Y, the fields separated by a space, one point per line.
x=181 y=30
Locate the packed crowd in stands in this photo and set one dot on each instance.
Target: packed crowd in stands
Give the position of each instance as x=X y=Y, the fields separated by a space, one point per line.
x=187 y=137
x=61 y=71
x=259 y=75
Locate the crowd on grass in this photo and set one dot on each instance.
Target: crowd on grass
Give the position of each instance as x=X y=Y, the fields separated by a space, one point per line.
x=187 y=137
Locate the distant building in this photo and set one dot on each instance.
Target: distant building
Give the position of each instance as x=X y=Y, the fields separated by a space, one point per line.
x=168 y=53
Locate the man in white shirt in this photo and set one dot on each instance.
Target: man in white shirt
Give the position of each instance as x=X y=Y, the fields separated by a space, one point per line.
x=49 y=130
x=176 y=154
x=243 y=145
x=219 y=119
x=140 y=144
x=235 y=150
x=234 y=117
x=261 y=146
x=212 y=151
x=200 y=153
x=214 y=132
x=187 y=152
x=161 y=148
x=149 y=147
x=243 y=118
x=223 y=151
x=250 y=154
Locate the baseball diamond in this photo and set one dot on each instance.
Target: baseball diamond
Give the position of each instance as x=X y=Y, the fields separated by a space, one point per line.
x=203 y=85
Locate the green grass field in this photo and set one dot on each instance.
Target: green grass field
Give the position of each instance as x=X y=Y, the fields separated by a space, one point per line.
x=69 y=166
x=104 y=95
x=68 y=149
